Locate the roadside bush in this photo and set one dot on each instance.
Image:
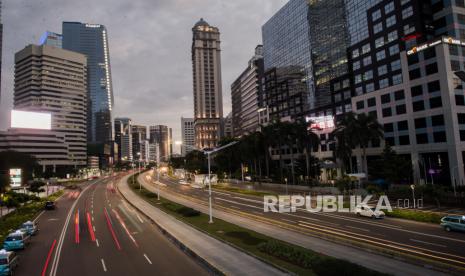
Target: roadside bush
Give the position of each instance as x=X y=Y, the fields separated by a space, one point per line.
x=188 y=212
x=415 y=215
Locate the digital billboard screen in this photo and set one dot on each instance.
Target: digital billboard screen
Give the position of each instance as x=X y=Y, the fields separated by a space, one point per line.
x=31 y=120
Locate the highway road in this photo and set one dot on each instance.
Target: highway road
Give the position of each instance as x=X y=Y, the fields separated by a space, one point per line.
x=428 y=242
x=94 y=232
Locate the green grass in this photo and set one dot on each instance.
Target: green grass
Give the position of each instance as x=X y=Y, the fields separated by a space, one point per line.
x=420 y=216
x=22 y=214
x=242 y=191
x=296 y=259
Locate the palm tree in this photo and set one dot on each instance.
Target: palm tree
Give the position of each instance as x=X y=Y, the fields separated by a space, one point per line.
x=356 y=130
x=306 y=140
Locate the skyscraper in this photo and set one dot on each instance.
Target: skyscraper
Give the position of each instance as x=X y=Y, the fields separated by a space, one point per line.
x=139 y=137
x=51 y=39
x=208 y=98
x=92 y=41
x=39 y=86
x=246 y=96
x=187 y=135
x=123 y=138
x=160 y=134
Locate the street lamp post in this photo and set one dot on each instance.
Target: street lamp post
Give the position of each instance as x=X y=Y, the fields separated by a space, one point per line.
x=138 y=169
x=454 y=179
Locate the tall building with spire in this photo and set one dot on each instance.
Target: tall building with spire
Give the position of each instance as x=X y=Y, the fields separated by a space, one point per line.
x=208 y=98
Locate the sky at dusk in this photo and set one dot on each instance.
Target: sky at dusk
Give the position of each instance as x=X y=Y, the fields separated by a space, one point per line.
x=149 y=43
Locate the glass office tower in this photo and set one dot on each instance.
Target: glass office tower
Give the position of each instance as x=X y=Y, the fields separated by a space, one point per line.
x=91 y=40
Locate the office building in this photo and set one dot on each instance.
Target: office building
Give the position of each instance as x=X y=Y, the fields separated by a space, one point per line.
x=92 y=41
x=152 y=152
x=187 y=135
x=287 y=52
x=53 y=80
x=208 y=98
x=139 y=137
x=123 y=139
x=247 y=96
x=51 y=39
x=159 y=134
x=171 y=142
x=228 y=125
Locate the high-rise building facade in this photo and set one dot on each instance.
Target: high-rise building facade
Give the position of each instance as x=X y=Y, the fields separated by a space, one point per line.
x=247 y=96
x=159 y=134
x=53 y=80
x=92 y=41
x=139 y=137
x=287 y=51
x=51 y=39
x=208 y=98
x=123 y=139
x=187 y=135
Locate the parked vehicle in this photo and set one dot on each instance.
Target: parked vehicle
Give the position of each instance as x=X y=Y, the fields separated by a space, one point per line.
x=367 y=211
x=30 y=228
x=8 y=262
x=16 y=240
x=50 y=205
x=453 y=223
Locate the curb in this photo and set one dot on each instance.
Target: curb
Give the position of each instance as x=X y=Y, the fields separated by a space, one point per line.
x=211 y=268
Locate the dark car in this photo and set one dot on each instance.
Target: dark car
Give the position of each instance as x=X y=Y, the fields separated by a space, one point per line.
x=50 y=205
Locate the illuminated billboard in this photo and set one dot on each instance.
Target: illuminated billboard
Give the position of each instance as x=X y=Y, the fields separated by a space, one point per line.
x=320 y=122
x=31 y=120
x=15 y=178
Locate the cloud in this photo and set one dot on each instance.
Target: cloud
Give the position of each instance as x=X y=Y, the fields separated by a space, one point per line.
x=149 y=47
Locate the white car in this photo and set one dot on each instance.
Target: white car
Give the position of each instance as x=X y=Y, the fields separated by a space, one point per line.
x=367 y=211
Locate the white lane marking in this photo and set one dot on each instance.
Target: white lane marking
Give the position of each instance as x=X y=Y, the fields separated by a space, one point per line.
x=216 y=192
x=234 y=202
x=429 y=243
x=235 y=207
x=248 y=199
x=322 y=223
x=96 y=242
x=38 y=216
x=104 y=266
x=358 y=228
x=92 y=218
x=140 y=219
x=94 y=228
x=147 y=258
x=288 y=220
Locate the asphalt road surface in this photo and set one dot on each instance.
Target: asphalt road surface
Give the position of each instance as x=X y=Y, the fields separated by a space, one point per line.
x=94 y=232
x=421 y=240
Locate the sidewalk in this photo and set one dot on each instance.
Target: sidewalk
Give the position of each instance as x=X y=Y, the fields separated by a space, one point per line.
x=221 y=256
x=373 y=261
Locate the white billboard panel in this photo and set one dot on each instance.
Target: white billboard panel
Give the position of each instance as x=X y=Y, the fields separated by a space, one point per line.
x=15 y=178
x=321 y=122
x=32 y=120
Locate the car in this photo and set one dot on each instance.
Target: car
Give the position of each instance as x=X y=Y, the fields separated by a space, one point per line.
x=453 y=223
x=367 y=211
x=8 y=262
x=50 y=205
x=183 y=182
x=16 y=240
x=30 y=228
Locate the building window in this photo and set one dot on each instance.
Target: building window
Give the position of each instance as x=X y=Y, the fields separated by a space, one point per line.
x=390 y=141
x=392 y=36
x=461 y=118
x=434 y=86
x=431 y=68
x=368 y=75
x=459 y=100
x=376 y=15
x=355 y=53
x=399 y=95
x=397 y=79
x=407 y=12
x=388 y=127
x=455 y=65
x=394 y=50
x=435 y=102
x=439 y=137
x=418 y=106
x=366 y=48
x=370 y=87
x=356 y=65
x=360 y=105
x=373 y=113
x=378 y=27
x=437 y=120
x=395 y=65
x=382 y=70
x=422 y=138
x=359 y=90
x=379 y=42
x=383 y=83
x=381 y=55
x=404 y=140
x=420 y=123
x=462 y=135
x=371 y=102
x=390 y=21
x=414 y=74
x=401 y=109
x=387 y=112
x=402 y=125
x=386 y=98
x=358 y=79
x=366 y=61
x=416 y=91
x=408 y=29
